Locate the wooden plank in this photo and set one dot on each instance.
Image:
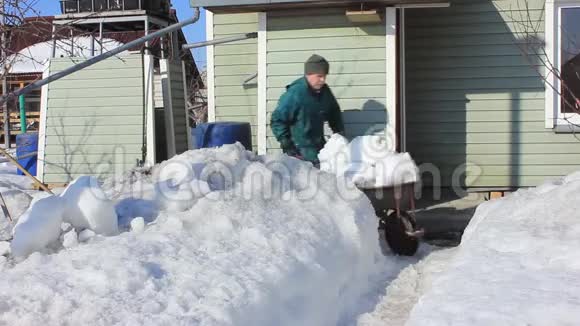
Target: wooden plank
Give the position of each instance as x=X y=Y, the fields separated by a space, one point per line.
x=473 y=116
x=475 y=126
x=336 y=55
x=306 y=32
x=492 y=138
x=65 y=122
x=450 y=149
x=235 y=29
x=102 y=130
x=124 y=92
x=515 y=84
x=253 y=120
x=235 y=49
x=437 y=73
x=445 y=18
x=471 y=29
x=74 y=103
x=243 y=18
x=57 y=149
x=427 y=94
x=465 y=51
x=327 y=43
x=501 y=159
x=234 y=91
x=104 y=83
x=97 y=111
x=88 y=138
x=83 y=75
x=234 y=60
x=349 y=67
x=355 y=80
x=417 y=105
x=427 y=42
x=243 y=70
x=227 y=101
x=236 y=111
x=366 y=104
x=130 y=61
x=340 y=92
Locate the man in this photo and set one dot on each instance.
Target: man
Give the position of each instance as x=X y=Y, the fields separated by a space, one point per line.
x=298 y=121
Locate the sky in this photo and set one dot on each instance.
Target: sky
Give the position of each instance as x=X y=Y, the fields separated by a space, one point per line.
x=193 y=33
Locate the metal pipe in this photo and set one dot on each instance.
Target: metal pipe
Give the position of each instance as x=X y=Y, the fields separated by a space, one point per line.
x=53 y=54
x=221 y=40
x=101 y=37
x=101 y=57
x=22 y=103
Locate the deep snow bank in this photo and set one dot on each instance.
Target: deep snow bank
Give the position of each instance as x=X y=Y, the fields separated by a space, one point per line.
x=518 y=263
x=232 y=239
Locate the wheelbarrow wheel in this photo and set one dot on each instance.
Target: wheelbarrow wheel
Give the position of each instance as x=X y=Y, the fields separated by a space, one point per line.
x=400 y=233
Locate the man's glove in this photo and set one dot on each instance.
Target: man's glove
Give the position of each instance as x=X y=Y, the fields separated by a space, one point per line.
x=289 y=148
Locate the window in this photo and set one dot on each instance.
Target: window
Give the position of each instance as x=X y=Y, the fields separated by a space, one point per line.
x=563 y=50
x=570 y=59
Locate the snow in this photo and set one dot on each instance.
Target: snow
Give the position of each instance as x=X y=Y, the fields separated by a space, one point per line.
x=38 y=227
x=367 y=162
x=4 y=248
x=518 y=263
x=34 y=58
x=87 y=206
x=234 y=239
x=138 y=224
x=86 y=235
x=70 y=239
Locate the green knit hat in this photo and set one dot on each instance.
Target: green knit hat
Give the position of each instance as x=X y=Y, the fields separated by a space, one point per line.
x=316 y=65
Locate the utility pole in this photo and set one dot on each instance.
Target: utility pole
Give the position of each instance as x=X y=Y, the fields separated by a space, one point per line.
x=4 y=81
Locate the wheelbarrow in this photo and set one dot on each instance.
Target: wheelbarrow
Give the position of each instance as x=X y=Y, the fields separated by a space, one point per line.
x=395 y=208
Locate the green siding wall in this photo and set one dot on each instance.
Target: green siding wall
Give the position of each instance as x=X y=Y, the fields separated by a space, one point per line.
x=473 y=100
x=234 y=62
x=357 y=58
x=178 y=101
x=94 y=121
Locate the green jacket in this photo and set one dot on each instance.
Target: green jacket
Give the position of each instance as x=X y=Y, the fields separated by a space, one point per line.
x=298 y=121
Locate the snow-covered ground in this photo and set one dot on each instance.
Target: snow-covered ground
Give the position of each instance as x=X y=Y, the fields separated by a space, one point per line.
x=224 y=237
x=204 y=246
x=518 y=263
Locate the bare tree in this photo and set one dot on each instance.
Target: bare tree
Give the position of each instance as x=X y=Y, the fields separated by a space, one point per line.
x=528 y=30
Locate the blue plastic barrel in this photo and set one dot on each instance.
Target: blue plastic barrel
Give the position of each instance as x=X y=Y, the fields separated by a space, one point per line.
x=27 y=152
x=208 y=135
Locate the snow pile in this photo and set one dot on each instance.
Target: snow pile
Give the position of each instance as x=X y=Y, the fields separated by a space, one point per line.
x=273 y=242
x=87 y=207
x=367 y=162
x=83 y=205
x=518 y=263
x=34 y=58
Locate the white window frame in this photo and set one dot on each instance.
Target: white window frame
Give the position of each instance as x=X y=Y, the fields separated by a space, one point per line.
x=554 y=115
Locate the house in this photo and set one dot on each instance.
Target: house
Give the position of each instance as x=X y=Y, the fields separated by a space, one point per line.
x=127 y=111
x=455 y=83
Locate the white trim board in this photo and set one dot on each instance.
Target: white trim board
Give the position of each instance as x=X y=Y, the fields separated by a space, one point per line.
x=150 y=107
x=551 y=44
x=391 y=75
x=262 y=83
x=210 y=68
x=402 y=82
x=42 y=127
x=552 y=36
x=165 y=71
